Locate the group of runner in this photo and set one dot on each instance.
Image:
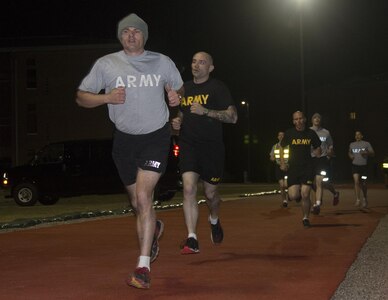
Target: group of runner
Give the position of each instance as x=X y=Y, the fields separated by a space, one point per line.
x=302 y=159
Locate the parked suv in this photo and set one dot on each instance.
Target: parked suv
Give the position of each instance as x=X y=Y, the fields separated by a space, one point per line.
x=79 y=167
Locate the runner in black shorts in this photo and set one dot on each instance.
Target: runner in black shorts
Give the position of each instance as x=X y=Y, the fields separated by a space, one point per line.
x=300 y=163
x=322 y=164
x=206 y=105
x=136 y=84
x=359 y=152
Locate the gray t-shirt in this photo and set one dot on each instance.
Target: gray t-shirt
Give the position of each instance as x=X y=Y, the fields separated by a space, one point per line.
x=356 y=149
x=326 y=140
x=144 y=78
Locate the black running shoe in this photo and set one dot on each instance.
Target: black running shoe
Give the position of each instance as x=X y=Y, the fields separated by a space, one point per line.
x=217 y=234
x=190 y=246
x=306 y=223
x=336 y=198
x=316 y=209
x=365 y=203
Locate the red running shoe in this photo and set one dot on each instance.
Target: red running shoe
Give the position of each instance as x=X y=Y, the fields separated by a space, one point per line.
x=190 y=246
x=140 y=278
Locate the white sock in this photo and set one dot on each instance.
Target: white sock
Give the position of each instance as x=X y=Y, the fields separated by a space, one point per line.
x=144 y=261
x=192 y=235
x=318 y=202
x=213 y=221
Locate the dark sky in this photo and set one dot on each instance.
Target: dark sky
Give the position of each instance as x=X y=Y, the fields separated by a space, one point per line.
x=255 y=43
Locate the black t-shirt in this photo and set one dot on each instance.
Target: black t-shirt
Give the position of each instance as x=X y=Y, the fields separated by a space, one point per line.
x=212 y=94
x=300 y=144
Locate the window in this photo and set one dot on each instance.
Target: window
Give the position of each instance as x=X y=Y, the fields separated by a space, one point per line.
x=50 y=154
x=31 y=81
x=32 y=124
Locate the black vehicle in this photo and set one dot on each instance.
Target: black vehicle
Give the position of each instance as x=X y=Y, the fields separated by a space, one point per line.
x=384 y=165
x=72 y=168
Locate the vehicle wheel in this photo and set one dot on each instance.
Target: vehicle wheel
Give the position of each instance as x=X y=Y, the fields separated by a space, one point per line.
x=49 y=200
x=25 y=194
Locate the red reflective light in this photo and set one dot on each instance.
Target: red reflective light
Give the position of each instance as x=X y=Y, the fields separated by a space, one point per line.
x=175 y=150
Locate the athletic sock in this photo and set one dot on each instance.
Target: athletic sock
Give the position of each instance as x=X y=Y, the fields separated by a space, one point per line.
x=144 y=261
x=213 y=221
x=192 y=235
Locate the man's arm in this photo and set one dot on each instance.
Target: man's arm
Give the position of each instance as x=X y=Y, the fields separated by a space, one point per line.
x=177 y=121
x=317 y=151
x=225 y=116
x=370 y=150
x=272 y=154
x=90 y=100
x=350 y=154
x=283 y=165
x=282 y=145
x=330 y=144
x=316 y=143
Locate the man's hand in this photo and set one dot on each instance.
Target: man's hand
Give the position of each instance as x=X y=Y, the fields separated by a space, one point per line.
x=283 y=167
x=364 y=153
x=174 y=99
x=116 y=96
x=197 y=108
x=176 y=123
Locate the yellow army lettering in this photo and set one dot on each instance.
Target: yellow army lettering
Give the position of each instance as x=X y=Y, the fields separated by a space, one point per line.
x=201 y=99
x=301 y=141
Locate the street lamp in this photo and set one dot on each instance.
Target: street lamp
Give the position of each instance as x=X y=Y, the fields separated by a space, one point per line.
x=301 y=46
x=247 y=140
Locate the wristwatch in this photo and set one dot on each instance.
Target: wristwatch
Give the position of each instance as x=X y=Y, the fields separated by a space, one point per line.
x=205 y=112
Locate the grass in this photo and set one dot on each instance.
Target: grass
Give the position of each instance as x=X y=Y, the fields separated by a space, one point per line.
x=11 y=212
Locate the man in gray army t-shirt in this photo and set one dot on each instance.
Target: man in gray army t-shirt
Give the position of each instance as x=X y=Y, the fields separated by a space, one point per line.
x=135 y=81
x=359 y=151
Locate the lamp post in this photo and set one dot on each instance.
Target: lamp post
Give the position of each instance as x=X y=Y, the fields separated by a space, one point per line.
x=247 y=140
x=301 y=46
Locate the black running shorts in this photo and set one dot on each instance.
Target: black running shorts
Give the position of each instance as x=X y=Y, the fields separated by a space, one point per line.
x=205 y=159
x=321 y=166
x=301 y=174
x=279 y=173
x=362 y=170
x=145 y=151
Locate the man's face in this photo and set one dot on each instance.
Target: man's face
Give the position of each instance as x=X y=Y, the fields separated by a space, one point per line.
x=132 y=40
x=201 y=66
x=298 y=120
x=358 y=136
x=316 y=121
x=280 y=136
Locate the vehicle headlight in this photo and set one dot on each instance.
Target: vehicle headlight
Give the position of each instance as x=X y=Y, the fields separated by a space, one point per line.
x=5 y=179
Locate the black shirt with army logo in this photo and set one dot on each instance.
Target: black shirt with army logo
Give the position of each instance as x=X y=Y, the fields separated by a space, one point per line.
x=300 y=144
x=212 y=94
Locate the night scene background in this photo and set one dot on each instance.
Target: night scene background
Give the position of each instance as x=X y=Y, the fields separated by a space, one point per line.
x=258 y=52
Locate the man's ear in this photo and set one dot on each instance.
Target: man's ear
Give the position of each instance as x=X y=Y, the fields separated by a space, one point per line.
x=211 y=68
